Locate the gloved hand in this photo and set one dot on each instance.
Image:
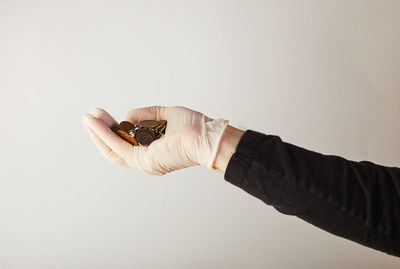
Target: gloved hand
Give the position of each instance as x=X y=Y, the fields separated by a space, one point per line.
x=190 y=139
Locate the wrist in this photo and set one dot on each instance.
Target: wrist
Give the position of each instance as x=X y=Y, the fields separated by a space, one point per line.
x=227 y=146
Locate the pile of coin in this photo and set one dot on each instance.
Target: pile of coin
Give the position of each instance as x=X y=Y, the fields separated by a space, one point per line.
x=141 y=133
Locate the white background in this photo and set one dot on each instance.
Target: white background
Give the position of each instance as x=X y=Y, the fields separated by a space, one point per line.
x=323 y=75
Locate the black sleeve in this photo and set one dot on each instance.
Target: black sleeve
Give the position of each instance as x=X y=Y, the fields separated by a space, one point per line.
x=359 y=201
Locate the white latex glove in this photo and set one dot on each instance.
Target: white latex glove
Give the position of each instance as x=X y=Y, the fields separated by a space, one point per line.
x=190 y=139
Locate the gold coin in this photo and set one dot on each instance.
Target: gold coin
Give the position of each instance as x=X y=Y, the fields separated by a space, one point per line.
x=126 y=126
x=160 y=128
x=145 y=136
x=127 y=137
x=148 y=123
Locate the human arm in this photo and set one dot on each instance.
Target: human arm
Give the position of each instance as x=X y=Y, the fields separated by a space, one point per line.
x=359 y=201
x=355 y=200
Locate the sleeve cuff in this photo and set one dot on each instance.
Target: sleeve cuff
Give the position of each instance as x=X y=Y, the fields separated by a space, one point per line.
x=241 y=160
